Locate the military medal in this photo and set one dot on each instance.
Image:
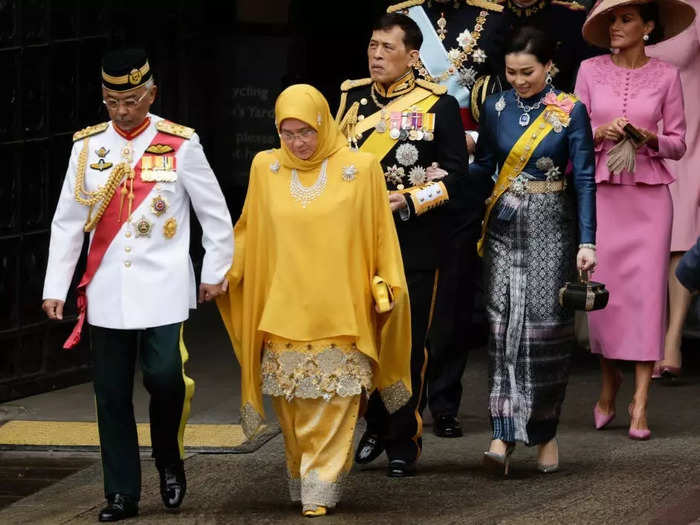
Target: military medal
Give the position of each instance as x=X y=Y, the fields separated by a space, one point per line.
x=420 y=135
x=428 y=126
x=395 y=131
x=159 y=149
x=407 y=154
x=413 y=132
x=101 y=164
x=159 y=206
x=381 y=125
x=158 y=169
x=170 y=228
x=403 y=134
x=143 y=227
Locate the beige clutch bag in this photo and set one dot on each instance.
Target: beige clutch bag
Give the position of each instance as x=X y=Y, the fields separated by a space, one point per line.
x=383 y=296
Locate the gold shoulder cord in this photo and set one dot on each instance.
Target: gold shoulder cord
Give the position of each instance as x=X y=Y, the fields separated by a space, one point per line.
x=403 y=5
x=348 y=123
x=103 y=195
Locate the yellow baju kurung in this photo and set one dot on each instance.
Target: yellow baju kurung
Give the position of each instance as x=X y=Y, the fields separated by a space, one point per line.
x=300 y=311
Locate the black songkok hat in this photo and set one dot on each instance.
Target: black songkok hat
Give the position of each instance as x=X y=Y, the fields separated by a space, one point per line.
x=125 y=69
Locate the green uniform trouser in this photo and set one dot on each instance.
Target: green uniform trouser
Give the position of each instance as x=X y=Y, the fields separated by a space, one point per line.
x=162 y=356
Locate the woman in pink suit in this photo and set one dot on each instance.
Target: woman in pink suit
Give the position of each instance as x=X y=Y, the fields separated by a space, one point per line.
x=683 y=51
x=634 y=211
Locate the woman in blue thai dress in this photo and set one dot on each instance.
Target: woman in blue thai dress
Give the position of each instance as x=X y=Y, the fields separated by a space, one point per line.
x=536 y=233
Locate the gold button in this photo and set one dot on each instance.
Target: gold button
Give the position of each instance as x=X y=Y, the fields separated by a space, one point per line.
x=361 y=117
x=127 y=263
x=127 y=234
x=363 y=101
x=127 y=249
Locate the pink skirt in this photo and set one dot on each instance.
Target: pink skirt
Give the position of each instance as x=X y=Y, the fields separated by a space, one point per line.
x=633 y=240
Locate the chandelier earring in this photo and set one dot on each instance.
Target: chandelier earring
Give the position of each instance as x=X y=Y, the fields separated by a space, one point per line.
x=548 y=80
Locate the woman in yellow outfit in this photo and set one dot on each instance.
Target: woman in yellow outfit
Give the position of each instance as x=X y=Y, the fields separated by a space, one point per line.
x=315 y=245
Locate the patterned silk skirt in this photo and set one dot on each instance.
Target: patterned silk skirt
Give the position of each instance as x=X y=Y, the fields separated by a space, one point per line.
x=528 y=258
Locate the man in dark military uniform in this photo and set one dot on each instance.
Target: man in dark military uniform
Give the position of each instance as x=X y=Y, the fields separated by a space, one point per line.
x=563 y=20
x=409 y=124
x=130 y=183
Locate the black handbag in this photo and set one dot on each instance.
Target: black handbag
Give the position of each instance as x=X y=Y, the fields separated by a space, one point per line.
x=583 y=295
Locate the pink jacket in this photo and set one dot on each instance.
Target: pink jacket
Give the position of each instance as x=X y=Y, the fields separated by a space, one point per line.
x=651 y=98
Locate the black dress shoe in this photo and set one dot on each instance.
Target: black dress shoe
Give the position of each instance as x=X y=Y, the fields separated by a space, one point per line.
x=399 y=468
x=119 y=507
x=173 y=485
x=369 y=448
x=447 y=427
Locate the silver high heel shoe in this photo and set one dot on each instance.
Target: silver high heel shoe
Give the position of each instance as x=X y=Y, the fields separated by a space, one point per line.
x=548 y=469
x=497 y=461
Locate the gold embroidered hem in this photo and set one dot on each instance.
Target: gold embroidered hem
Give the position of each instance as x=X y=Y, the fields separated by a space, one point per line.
x=294 y=488
x=313 y=491
x=250 y=420
x=318 y=439
x=395 y=396
x=314 y=369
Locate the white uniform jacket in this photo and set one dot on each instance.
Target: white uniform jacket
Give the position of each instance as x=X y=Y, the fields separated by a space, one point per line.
x=143 y=281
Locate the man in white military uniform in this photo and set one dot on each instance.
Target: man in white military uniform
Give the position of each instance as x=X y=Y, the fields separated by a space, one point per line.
x=130 y=183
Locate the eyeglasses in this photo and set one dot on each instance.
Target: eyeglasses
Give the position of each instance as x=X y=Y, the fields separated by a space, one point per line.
x=304 y=135
x=129 y=103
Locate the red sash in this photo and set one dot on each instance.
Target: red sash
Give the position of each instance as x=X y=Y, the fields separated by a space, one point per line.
x=107 y=229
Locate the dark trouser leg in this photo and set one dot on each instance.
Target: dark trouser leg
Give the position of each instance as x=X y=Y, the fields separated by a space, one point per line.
x=449 y=330
x=171 y=391
x=402 y=430
x=115 y=355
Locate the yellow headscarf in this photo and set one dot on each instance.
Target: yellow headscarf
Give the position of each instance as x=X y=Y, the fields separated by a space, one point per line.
x=306 y=103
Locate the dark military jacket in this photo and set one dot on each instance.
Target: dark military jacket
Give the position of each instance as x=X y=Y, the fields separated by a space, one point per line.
x=423 y=234
x=562 y=20
x=476 y=34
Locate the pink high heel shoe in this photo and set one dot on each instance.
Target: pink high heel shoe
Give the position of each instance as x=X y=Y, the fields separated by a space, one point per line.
x=602 y=420
x=637 y=434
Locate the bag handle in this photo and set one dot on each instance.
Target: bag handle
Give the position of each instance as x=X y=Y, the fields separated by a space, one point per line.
x=584 y=276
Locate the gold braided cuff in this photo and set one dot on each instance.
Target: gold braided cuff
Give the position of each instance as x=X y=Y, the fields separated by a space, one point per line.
x=428 y=196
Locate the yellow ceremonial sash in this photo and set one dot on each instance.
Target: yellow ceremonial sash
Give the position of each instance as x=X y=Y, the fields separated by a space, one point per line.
x=516 y=160
x=381 y=143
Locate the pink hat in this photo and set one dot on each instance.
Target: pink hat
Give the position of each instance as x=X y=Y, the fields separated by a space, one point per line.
x=675 y=16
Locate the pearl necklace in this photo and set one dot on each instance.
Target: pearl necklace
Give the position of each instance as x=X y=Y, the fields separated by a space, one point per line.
x=524 y=119
x=306 y=194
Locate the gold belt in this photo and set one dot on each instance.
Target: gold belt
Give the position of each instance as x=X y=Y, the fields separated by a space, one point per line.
x=544 y=186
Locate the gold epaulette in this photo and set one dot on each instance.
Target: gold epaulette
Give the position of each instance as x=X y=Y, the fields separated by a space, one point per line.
x=403 y=5
x=175 y=129
x=347 y=85
x=569 y=4
x=491 y=5
x=437 y=89
x=90 y=130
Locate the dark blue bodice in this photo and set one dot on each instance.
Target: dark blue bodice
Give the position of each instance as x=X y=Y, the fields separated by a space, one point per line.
x=571 y=148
